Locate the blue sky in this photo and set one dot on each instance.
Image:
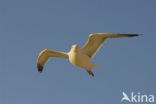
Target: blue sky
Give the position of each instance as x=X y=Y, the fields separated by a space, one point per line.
x=29 y=26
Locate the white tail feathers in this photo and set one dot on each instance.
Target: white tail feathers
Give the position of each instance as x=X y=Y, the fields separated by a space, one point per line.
x=95 y=66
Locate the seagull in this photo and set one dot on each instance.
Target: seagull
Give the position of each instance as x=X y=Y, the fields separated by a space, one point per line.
x=80 y=57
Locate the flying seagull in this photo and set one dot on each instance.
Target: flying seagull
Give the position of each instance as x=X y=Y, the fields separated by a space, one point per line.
x=80 y=57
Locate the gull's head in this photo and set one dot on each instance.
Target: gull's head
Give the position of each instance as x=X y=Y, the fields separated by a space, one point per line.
x=74 y=47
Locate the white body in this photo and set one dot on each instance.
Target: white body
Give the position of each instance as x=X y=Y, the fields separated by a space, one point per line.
x=79 y=59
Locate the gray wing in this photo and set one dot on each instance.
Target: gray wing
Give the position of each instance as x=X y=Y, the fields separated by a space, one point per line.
x=45 y=55
x=96 y=40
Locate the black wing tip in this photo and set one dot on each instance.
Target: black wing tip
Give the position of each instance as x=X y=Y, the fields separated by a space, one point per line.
x=40 y=68
x=133 y=35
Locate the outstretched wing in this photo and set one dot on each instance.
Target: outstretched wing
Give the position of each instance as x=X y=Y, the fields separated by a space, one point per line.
x=96 y=40
x=45 y=55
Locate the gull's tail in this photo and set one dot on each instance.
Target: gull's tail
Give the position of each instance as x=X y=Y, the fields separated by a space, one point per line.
x=90 y=70
x=95 y=66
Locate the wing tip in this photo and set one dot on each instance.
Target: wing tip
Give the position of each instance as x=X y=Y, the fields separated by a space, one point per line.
x=40 y=68
x=133 y=35
x=130 y=35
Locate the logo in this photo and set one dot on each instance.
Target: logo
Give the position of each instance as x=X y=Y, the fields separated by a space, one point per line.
x=137 y=97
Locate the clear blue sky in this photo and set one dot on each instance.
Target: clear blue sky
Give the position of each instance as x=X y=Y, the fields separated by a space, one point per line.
x=29 y=26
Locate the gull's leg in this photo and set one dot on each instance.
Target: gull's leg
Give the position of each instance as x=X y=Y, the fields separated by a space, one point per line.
x=90 y=73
